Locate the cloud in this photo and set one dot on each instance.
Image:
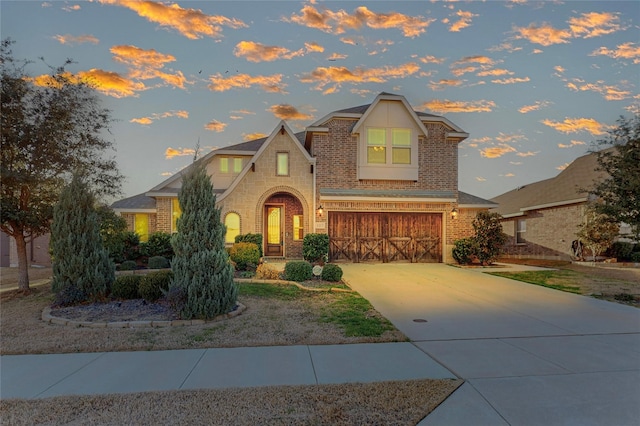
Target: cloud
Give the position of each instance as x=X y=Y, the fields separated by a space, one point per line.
x=253 y=136
x=508 y=47
x=545 y=34
x=147 y=64
x=464 y=22
x=442 y=84
x=112 y=83
x=338 y=22
x=336 y=76
x=288 y=112
x=215 y=126
x=69 y=39
x=480 y=179
x=571 y=145
x=594 y=24
x=623 y=51
x=268 y=83
x=511 y=80
x=476 y=59
x=494 y=73
x=258 y=52
x=445 y=105
x=431 y=60
x=610 y=93
x=510 y=137
x=536 y=106
x=313 y=47
x=562 y=166
x=335 y=56
x=575 y=125
x=527 y=154
x=170 y=153
x=497 y=151
x=155 y=117
x=352 y=40
x=191 y=23
x=509 y=175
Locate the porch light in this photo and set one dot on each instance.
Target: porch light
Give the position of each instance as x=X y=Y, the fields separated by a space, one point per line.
x=320 y=210
x=454 y=213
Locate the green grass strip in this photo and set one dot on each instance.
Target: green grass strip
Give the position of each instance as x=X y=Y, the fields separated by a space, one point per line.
x=557 y=279
x=356 y=316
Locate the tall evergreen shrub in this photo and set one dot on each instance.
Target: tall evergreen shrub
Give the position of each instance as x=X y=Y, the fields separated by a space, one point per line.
x=82 y=269
x=201 y=267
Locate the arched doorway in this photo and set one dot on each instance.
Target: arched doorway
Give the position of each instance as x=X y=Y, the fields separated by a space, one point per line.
x=283 y=225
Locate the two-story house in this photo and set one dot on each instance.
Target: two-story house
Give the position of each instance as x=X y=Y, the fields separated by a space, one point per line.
x=380 y=179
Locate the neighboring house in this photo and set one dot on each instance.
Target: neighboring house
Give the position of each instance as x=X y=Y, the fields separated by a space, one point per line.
x=37 y=251
x=542 y=218
x=380 y=179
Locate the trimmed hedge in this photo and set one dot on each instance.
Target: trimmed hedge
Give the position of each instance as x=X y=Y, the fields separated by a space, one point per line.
x=128 y=265
x=298 y=270
x=331 y=272
x=244 y=255
x=251 y=238
x=154 y=285
x=126 y=287
x=158 y=262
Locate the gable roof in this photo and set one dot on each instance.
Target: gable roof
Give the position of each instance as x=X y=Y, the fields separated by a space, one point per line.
x=568 y=187
x=282 y=127
x=138 y=203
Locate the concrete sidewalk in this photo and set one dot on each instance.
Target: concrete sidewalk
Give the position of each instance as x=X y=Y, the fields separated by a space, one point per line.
x=42 y=376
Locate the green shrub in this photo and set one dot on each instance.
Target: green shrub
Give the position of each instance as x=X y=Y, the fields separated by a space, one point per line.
x=621 y=250
x=158 y=262
x=131 y=242
x=635 y=257
x=128 y=265
x=244 y=255
x=464 y=250
x=489 y=238
x=126 y=287
x=331 y=272
x=251 y=238
x=154 y=285
x=315 y=247
x=298 y=270
x=158 y=244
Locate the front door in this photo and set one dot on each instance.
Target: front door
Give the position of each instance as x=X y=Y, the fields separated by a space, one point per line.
x=273 y=226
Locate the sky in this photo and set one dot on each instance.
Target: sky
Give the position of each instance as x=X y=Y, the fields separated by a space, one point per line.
x=534 y=83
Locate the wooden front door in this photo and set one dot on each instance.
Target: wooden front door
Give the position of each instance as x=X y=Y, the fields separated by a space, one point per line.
x=273 y=225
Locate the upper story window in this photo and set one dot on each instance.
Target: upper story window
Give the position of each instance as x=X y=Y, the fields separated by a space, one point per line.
x=390 y=153
x=230 y=165
x=282 y=164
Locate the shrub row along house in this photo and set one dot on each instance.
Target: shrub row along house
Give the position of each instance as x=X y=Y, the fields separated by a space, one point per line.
x=380 y=179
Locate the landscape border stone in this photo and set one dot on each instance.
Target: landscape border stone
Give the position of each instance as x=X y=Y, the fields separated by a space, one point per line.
x=50 y=319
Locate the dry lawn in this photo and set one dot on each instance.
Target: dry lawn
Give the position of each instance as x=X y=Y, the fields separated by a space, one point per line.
x=265 y=322
x=388 y=403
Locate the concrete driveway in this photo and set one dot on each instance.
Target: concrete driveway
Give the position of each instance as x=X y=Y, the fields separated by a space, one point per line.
x=529 y=355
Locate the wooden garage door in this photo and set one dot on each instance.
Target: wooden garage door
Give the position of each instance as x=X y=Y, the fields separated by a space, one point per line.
x=385 y=237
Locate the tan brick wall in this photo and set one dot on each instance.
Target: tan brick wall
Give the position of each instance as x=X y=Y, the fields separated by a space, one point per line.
x=549 y=232
x=163 y=214
x=337 y=156
x=251 y=193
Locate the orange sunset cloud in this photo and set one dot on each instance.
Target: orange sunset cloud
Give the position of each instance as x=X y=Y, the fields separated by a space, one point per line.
x=191 y=23
x=268 y=83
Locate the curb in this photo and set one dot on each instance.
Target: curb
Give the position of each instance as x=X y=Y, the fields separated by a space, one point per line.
x=50 y=319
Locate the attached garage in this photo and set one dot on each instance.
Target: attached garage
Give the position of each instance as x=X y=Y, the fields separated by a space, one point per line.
x=385 y=237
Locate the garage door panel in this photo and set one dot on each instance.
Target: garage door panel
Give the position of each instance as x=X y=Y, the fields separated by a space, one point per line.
x=386 y=237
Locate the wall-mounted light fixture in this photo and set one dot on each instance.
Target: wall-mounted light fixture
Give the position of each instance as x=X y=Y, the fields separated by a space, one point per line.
x=320 y=211
x=454 y=213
